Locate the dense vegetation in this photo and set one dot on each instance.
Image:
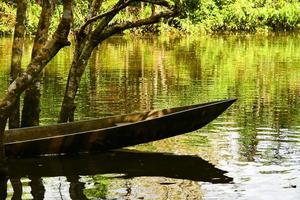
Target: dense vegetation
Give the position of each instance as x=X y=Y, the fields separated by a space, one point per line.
x=199 y=16
x=241 y=15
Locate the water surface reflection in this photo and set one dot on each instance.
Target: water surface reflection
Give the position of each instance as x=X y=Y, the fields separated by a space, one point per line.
x=123 y=164
x=257 y=140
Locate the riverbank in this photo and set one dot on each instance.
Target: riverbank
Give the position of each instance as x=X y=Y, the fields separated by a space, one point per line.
x=198 y=17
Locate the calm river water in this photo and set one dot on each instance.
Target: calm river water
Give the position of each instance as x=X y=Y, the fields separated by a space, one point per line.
x=252 y=151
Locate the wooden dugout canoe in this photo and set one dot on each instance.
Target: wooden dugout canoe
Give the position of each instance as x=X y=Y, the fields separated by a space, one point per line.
x=111 y=132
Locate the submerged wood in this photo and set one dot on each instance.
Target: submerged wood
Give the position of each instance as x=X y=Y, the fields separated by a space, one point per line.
x=111 y=132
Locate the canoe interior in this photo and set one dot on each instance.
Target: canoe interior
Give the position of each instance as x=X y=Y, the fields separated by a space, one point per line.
x=32 y=133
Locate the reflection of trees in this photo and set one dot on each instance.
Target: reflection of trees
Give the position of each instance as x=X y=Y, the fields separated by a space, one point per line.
x=183 y=169
x=259 y=74
x=3 y=186
x=76 y=188
x=36 y=184
x=159 y=188
x=17 y=187
x=37 y=187
x=154 y=67
x=100 y=187
x=139 y=74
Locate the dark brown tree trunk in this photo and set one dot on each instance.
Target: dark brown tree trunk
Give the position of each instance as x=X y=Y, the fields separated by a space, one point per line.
x=81 y=55
x=31 y=109
x=77 y=69
x=87 y=39
x=3 y=120
x=16 y=59
x=37 y=64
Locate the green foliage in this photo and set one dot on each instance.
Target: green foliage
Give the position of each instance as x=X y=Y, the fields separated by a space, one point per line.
x=241 y=15
x=99 y=188
x=287 y=16
x=198 y=16
x=33 y=12
x=7 y=18
x=80 y=10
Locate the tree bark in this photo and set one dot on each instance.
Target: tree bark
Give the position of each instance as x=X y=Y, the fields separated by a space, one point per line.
x=31 y=109
x=153 y=10
x=16 y=59
x=82 y=52
x=2 y=151
x=77 y=69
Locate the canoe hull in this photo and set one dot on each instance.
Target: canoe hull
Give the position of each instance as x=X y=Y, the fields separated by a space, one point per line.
x=123 y=135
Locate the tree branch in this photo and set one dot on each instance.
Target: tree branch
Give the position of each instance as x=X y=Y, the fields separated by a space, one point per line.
x=18 y=42
x=63 y=29
x=16 y=58
x=94 y=8
x=123 y=5
x=118 y=28
x=41 y=35
x=159 y=3
x=118 y=7
x=31 y=102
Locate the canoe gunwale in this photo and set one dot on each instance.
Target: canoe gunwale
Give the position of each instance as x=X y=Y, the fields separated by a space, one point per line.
x=102 y=134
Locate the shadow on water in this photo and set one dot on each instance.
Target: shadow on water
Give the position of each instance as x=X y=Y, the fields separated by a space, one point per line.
x=129 y=163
